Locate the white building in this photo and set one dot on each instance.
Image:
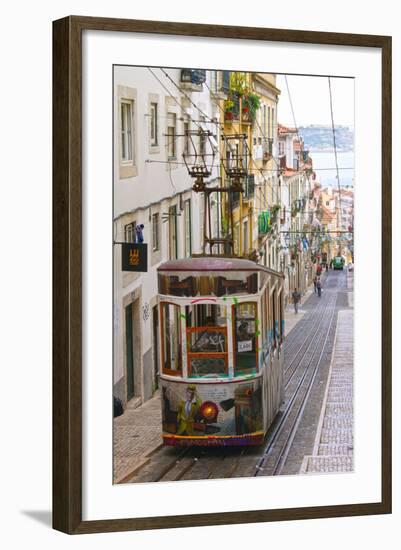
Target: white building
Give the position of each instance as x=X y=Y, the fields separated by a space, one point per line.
x=296 y=217
x=153 y=111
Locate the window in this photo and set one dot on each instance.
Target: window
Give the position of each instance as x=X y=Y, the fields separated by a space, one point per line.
x=155 y=231
x=188 y=228
x=272 y=132
x=171 y=338
x=126 y=126
x=207 y=346
x=264 y=318
x=264 y=122
x=186 y=138
x=245 y=246
x=281 y=148
x=172 y=223
x=171 y=136
x=153 y=124
x=245 y=338
x=268 y=122
x=129 y=232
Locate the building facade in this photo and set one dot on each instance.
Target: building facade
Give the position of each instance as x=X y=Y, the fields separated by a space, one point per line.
x=155 y=122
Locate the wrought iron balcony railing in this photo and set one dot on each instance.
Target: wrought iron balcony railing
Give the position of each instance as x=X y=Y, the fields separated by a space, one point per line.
x=193 y=77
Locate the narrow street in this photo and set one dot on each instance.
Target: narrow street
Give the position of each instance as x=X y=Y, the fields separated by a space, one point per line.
x=311 y=423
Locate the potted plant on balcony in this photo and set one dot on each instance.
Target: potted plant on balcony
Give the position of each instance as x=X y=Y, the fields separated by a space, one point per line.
x=250 y=104
x=228 y=109
x=238 y=83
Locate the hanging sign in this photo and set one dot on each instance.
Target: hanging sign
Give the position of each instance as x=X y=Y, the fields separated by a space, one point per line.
x=134 y=257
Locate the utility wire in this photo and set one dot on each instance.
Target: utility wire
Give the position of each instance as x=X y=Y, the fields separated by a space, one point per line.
x=339 y=214
x=263 y=169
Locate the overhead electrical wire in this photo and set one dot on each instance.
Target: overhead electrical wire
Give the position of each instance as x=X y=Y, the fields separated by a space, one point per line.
x=335 y=153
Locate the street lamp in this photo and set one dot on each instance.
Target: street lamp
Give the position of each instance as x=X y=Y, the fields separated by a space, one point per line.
x=199 y=158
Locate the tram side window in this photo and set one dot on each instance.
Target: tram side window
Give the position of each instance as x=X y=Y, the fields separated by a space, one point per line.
x=267 y=315
x=245 y=338
x=281 y=318
x=275 y=320
x=264 y=325
x=171 y=339
x=206 y=340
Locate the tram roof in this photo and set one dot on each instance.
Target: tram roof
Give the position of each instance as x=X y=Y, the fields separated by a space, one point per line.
x=213 y=263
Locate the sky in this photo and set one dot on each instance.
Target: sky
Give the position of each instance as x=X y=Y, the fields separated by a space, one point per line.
x=311 y=100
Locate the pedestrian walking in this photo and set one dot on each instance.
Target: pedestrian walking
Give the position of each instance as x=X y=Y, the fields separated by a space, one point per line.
x=315 y=283
x=327 y=267
x=296 y=298
x=319 y=287
x=318 y=269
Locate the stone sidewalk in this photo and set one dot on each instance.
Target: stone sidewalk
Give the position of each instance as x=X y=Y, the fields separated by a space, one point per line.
x=333 y=449
x=136 y=435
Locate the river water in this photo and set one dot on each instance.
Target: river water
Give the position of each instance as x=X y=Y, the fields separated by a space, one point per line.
x=324 y=165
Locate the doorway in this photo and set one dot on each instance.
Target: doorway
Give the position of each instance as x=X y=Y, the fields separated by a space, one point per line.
x=155 y=319
x=129 y=340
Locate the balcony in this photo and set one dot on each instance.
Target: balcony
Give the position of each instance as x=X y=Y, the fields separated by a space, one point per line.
x=247 y=194
x=267 y=149
x=220 y=84
x=249 y=187
x=193 y=79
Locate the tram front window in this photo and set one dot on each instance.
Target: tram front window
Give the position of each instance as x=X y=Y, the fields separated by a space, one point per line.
x=245 y=338
x=206 y=341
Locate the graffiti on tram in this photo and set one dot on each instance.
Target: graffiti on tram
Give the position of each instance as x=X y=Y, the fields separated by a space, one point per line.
x=223 y=409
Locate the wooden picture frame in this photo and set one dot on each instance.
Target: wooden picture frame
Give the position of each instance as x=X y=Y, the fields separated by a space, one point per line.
x=67 y=273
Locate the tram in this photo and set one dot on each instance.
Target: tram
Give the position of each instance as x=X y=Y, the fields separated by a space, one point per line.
x=338 y=262
x=221 y=357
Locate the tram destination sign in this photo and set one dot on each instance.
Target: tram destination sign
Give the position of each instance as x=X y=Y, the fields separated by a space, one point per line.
x=134 y=256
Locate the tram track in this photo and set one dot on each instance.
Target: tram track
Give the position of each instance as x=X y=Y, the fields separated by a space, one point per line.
x=315 y=323
x=288 y=422
x=310 y=313
x=290 y=437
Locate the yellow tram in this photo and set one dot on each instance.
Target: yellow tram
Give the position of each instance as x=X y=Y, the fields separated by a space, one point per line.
x=221 y=361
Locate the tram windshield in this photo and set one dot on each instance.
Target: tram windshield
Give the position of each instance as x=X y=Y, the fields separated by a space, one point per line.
x=226 y=283
x=207 y=346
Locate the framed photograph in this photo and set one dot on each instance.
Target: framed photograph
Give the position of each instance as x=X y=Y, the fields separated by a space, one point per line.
x=221 y=275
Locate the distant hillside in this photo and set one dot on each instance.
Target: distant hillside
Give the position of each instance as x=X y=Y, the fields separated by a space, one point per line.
x=320 y=138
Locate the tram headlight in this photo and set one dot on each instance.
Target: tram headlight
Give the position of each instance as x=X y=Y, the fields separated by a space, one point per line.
x=209 y=411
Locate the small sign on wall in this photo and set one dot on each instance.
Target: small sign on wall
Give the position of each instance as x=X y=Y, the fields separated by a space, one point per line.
x=134 y=257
